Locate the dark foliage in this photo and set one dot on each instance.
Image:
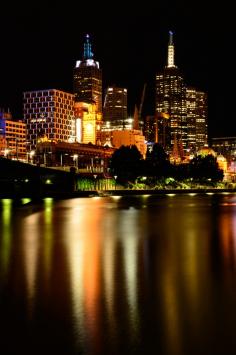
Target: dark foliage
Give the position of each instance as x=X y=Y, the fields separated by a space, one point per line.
x=205 y=168
x=126 y=163
x=157 y=163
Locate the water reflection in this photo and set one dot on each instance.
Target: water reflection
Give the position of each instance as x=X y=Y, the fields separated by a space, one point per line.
x=120 y=275
x=6 y=235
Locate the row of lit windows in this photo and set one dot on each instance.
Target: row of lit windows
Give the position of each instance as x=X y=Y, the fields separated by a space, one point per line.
x=36 y=94
x=18 y=128
x=49 y=133
x=46 y=104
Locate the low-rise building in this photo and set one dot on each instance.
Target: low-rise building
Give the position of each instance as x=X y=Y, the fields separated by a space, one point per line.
x=12 y=137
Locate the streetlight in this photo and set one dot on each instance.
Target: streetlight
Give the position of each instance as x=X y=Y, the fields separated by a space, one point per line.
x=144 y=178
x=115 y=177
x=6 y=152
x=32 y=153
x=75 y=158
x=95 y=176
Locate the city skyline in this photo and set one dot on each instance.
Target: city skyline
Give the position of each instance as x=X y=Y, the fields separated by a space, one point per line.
x=42 y=44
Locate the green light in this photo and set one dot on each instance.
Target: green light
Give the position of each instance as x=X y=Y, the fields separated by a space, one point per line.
x=6 y=213
x=25 y=201
x=48 y=182
x=5 y=241
x=48 y=201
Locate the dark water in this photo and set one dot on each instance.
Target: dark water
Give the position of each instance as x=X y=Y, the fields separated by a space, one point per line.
x=130 y=275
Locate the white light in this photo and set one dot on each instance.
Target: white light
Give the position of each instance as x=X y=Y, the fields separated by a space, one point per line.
x=116 y=197
x=78 y=124
x=6 y=151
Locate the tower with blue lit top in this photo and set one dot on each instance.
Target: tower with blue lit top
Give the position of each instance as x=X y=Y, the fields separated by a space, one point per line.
x=88 y=78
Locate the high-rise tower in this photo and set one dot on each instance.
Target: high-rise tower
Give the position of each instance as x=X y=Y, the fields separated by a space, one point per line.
x=88 y=78
x=196 y=119
x=171 y=98
x=115 y=107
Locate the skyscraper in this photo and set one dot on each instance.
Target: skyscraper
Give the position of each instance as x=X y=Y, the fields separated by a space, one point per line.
x=115 y=107
x=171 y=98
x=88 y=78
x=196 y=119
x=201 y=119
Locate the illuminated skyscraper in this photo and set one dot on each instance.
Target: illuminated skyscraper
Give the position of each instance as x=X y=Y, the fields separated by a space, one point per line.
x=196 y=119
x=201 y=119
x=115 y=107
x=88 y=78
x=171 y=98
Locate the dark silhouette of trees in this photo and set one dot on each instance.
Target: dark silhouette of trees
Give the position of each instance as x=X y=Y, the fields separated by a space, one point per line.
x=205 y=169
x=126 y=163
x=157 y=163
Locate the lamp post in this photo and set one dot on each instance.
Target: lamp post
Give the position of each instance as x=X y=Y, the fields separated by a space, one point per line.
x=115 y=177
x=144 y=179
x=95 y=176
x=75 y=158
x=31 y=154
x=6 y=152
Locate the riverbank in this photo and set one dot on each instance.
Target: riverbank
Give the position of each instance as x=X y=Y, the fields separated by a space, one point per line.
x=105 y=193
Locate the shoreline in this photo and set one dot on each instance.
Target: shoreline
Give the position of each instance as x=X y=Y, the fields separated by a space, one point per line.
x=107 y=193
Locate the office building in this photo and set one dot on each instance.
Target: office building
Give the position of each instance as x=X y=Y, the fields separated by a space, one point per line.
x=115 y=107
x=129 y=137
x=225 y=146
x=88 y=78
x=171 y=97
x=196 y=102
x=12 y=137
x=49 y=115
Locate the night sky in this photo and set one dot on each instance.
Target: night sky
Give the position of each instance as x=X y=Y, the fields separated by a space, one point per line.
x=41 y=42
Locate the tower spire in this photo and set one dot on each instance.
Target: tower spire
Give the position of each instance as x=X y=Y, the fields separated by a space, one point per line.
x=171 y=52
x=87 y=48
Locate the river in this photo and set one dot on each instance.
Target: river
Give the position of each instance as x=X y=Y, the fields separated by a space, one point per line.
x=118 y=275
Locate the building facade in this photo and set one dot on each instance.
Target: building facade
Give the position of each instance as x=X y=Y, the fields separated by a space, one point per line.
x=115 y=107
x=128 y=138
x=157 y=130
x=12 y=137
x=225 y=146
x=88 y=123
x=196 y=102
x=48 y=114
x=171 y=98
x=201 y=119
x=85 y=157
x=88 y=78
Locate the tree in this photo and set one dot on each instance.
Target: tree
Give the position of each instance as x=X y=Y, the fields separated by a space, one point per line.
x=126 y=163
x=157 y=162
x=205 y=169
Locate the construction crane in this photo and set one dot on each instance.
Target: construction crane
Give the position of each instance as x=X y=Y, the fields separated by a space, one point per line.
x=141 y=102
x=138 y=111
